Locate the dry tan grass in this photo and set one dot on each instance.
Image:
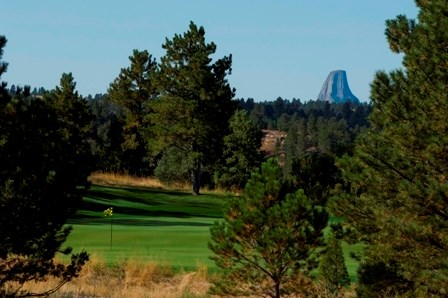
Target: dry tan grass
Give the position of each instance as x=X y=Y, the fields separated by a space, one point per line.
x=117 y=179
x=136 y=279
x=132 y=279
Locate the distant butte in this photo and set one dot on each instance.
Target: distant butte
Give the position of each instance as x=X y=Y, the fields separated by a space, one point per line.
x=336 y=90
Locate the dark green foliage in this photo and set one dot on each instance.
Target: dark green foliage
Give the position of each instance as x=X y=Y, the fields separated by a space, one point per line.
x=240 y=152
x=195 y=103
x=283 y=122
x=174 y=166
x=267 y=237
x=398 y=175
x=257 y=115
x=332 y=269
x=379 y=279
x=3 y=67
x=333 y=136
x=74 y=130
x=3 y=64
x=295 y=144
x=131 y=93
x=317 y=174
x=275 y=114
x=43 y=157
x=107 y=136
x=317 y=136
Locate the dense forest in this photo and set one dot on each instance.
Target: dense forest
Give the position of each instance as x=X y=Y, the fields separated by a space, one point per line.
x=379 y=168
x=313 y=126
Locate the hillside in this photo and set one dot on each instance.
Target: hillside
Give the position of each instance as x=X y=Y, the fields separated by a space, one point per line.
x=269 y=139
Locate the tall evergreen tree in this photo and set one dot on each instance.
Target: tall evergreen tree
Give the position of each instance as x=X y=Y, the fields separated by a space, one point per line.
x=398 y=175
x=75 y=119
x=131 y=91
x=332 y=269
x=241 y=152
x=195 y=103
x=258 y=116
x=268 y=236
x=107 y=135
x=295 y=144
x=42 y=169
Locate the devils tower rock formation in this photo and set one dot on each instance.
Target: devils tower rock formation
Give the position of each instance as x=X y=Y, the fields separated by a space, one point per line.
x=336 y=89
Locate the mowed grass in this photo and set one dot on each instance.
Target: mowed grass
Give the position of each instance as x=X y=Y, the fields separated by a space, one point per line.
x=348 y=249
x=170 y=227
x=154 y=224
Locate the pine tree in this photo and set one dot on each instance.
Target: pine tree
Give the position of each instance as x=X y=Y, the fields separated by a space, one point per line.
x=41 y=177
x=240 y=152
x=332 y=269
x=107 y=135
x=398 y=202
x=295 y=143
x=267 y=238
x=131 y=92
x=195 y=103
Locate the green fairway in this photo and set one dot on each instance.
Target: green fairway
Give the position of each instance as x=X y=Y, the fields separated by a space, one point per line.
x=170 y=227
x=152 y=224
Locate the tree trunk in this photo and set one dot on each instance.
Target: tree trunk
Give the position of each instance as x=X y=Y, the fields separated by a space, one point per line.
x=277 y=289
x=196 y=176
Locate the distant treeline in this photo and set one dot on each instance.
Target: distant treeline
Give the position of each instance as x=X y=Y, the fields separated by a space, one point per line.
x=16 y=90
x=278 y=114
x=311 y=127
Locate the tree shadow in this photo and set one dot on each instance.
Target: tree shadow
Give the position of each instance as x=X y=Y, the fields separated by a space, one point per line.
x=144 y=202
x=140 y=222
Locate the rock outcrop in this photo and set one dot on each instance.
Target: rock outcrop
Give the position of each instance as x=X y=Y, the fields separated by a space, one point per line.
x=336 y=89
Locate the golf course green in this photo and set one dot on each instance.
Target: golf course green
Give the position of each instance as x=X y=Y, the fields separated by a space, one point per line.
x=170 y=227
x=148 y=224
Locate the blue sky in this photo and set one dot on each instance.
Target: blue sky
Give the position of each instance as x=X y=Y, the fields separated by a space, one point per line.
x=280 y=48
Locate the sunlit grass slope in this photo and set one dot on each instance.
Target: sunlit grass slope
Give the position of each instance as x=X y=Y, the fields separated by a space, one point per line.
x=154 y=224
x=149 y=224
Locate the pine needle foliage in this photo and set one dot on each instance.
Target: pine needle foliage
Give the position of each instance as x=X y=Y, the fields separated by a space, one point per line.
x=194 y=105
x=397 y=179
x=44 y=157
x=332 y=269
x=267 y=238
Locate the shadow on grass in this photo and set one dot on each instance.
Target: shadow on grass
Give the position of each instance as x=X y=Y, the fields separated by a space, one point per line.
x=107 y=196
x=130 y=211
x=99 y=204
x=146 y=191
x=155 y=197
x=138 y=222
x=151 y=203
